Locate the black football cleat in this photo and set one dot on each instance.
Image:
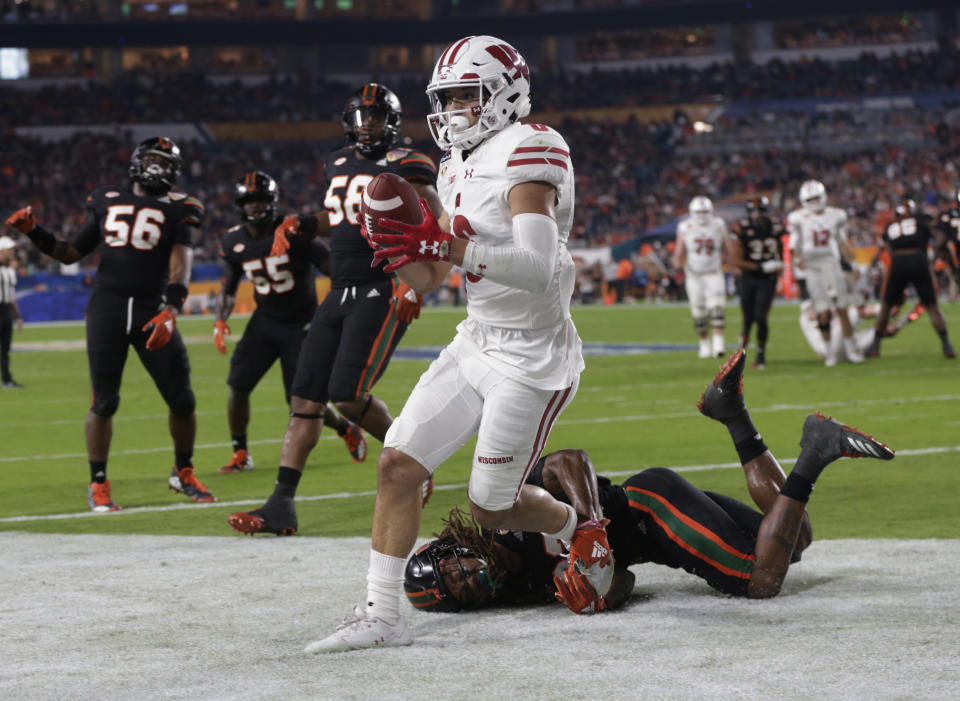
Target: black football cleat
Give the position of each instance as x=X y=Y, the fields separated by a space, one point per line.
x=948 y=351
x=828 y=439
x=723 y=398
x=277 y=516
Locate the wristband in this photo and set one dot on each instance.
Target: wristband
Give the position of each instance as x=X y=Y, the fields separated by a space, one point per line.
x=174 y=295
x=43 y=239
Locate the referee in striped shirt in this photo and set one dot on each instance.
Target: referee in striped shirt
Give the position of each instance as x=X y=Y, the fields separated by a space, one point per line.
x=9 y=311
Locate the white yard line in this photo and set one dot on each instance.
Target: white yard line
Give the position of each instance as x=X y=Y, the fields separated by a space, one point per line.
x=370 y=493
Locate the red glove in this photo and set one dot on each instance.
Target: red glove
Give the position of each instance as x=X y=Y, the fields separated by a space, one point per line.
x=290 y=226
x=408 y=303
x=220 y=328
x=414 y=242
x=577 y=594
x=590 y=555
x=163 y=325
x=22 y=220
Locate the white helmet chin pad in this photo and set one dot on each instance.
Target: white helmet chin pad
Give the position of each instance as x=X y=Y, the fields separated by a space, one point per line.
x=502 y=81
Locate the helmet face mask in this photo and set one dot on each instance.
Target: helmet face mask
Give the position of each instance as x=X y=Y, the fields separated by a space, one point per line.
x=701 y=209
x=156 y=164
x=371 y=120
x=813 y=196
x=431 y=571
x=501 y=79
x=256 y=187
x=757 y=207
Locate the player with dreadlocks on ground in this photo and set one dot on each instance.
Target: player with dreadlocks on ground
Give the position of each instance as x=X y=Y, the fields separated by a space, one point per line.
x=655 y=516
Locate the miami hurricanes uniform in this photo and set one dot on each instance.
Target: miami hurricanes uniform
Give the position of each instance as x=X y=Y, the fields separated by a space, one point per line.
x=516 y=359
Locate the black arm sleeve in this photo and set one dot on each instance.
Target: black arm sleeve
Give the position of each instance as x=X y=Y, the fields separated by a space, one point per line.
x=87 y=238
x=231 y=278
x=320 y=256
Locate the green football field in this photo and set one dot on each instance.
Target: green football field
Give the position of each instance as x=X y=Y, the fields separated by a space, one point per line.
x=632 y=411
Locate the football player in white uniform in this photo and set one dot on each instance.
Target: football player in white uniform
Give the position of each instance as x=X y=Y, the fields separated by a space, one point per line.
x=818 y=240
x=514 y=365
x=702 y=247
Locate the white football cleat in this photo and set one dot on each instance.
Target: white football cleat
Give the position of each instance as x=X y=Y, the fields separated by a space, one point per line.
x=704 y=351
x=360 y=631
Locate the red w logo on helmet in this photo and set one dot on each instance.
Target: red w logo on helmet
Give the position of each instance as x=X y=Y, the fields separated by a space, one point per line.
x=510 y=59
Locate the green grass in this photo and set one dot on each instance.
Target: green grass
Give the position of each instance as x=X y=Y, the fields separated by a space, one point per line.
x=631 y=412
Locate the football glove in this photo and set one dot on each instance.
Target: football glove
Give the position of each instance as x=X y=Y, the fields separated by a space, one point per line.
x=576 y=593
x=290 y=226
x=163 y=325
x=408 y=303
x=590 y=555
x=413 y=242
x=771 y=266
x=22 y=220
x=220 y=329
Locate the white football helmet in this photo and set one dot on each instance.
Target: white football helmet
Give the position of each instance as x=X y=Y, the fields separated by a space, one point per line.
x=701 y=209
x=502 y=81
x=813 y=195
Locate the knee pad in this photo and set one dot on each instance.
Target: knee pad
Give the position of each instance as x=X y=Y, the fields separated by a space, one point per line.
x=105 y=407
x=701 y=325
x=716 y=317
x=183 y=404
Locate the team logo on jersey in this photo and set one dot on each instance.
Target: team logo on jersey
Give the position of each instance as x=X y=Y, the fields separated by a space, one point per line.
x=112 y=194
x=177 y=196
x=397 y=154
x=340 y=161
x=237 y=247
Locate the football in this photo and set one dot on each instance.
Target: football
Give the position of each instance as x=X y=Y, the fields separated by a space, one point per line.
x=389 y=196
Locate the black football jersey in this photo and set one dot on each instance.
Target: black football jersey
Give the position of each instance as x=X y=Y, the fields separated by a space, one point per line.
x=543 y=557
x=284 y=287
x=949 y=223
x=135 y=236
x=347 y=175
x=761 y=242
x=908 y=232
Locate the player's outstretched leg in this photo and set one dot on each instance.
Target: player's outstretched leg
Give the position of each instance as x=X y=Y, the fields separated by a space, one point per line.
x=278 y=516
x=825 y=439
x=723 y=398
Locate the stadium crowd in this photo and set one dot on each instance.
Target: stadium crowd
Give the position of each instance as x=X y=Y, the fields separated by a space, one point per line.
x=632 y=176
x=141 y=97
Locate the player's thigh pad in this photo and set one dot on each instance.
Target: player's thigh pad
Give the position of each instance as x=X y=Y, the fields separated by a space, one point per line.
x=441 y=414
x=252 y=357
x=822 y=285
x=696 y=294
x=714 y=291
x=513 y=432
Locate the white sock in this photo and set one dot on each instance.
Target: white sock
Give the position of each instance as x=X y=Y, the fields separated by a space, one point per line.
x=385 y=586
x=566 y=533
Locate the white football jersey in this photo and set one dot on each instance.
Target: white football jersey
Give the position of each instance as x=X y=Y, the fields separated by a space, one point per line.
x=545 y=349
x=703 y=243
x=816 y=236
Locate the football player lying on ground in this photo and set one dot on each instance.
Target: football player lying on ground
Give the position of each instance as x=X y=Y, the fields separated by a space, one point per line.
x=654 y=516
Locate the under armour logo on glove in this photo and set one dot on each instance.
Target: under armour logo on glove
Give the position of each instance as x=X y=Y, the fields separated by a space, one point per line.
x=430 y=249
x=413 y=242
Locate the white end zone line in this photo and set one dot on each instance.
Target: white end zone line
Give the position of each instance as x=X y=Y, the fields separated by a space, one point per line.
x=370 y=493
